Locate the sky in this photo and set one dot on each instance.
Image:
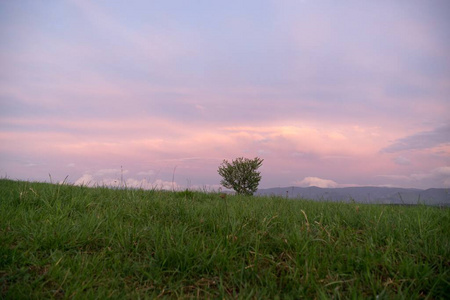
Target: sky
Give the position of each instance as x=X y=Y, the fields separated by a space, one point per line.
x=156 y=94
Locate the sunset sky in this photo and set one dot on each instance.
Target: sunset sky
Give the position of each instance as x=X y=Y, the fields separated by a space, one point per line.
x=329 y=93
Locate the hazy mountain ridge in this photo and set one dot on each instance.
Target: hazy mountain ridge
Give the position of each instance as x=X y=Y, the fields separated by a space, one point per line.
x=380 y=195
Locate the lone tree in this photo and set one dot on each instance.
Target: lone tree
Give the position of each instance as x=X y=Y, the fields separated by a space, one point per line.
x=241 y=175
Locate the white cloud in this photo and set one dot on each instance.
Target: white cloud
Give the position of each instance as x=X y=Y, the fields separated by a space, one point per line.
x=165 y=185
x=96 y=180
x=208 y=188
x=438 y=178
x=441 y=177
x=444 y=171
x=440 y=173
x=86 y=179
x=158 y=184
x=316 y=181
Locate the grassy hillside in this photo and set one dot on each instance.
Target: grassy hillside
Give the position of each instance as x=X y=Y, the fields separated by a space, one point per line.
x=62 y=241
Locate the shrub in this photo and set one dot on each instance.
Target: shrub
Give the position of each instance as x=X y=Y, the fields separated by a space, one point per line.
x=241 y=175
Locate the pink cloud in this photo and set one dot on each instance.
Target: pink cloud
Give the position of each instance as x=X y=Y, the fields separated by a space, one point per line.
x=300 y=150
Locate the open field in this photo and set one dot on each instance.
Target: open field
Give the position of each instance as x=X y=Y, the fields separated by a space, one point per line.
x=70 y=242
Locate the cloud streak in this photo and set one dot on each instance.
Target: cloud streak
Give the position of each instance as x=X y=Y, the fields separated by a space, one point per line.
x=421 y=140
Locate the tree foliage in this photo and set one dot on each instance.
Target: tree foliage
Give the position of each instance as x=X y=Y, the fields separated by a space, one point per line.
x=241 y=175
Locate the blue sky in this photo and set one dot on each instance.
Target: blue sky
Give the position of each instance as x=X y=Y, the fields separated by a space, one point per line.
x=328 y=93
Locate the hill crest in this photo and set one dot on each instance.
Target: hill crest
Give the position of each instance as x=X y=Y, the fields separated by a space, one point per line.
x=378 y=195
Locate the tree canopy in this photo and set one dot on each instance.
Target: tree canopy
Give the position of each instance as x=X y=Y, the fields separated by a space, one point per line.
x=241 y=175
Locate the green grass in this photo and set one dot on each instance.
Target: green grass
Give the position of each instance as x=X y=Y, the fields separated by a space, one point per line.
x=69 y=242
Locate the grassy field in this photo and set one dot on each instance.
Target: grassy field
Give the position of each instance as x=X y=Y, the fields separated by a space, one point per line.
x=63 y=241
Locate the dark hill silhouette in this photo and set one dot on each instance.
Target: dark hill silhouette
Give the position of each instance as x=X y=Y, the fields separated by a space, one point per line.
x=379 y=195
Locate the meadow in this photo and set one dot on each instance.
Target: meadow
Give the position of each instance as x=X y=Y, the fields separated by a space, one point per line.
x=60 y=241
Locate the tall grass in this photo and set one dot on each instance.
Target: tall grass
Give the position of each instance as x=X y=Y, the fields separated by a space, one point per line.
x=63 y=241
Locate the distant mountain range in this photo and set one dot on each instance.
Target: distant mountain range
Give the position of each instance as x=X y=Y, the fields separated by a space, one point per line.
x=379 y=195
